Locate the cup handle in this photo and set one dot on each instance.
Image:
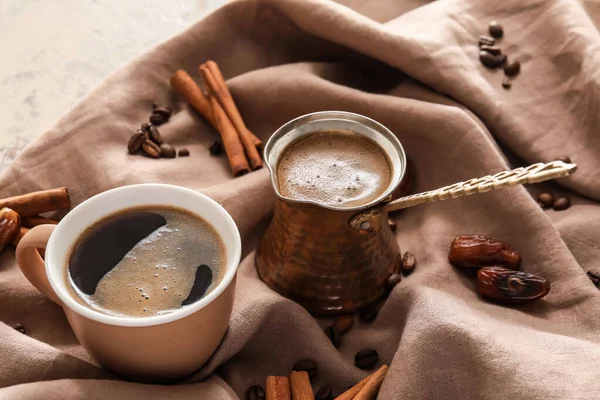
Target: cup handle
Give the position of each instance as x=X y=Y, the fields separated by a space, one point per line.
x=30 y=262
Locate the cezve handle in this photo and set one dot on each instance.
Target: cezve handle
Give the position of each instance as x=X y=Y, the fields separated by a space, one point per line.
x=532 y=174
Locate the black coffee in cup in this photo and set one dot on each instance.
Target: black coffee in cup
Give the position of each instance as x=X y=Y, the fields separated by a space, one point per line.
x=145 y=261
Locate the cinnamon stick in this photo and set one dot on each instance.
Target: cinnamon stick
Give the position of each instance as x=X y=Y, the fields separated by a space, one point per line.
x=300 y=385
x=221 y=93
x=277 y=388
x=354 y=390
x=36 y=220
x=187 y=87
x=370 y=390
x=214 y=68
x=257 y=142
x=231 y=141
x=34 y=203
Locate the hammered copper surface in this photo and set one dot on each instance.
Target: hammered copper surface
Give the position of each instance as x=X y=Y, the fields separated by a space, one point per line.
x=310 y=255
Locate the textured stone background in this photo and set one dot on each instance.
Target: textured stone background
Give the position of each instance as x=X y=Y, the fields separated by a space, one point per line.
x=55 y=51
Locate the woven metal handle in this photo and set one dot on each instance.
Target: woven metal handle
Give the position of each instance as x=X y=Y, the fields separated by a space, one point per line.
x=532 y=174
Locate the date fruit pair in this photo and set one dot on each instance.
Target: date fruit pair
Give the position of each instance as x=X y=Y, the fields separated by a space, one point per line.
x=498 y=277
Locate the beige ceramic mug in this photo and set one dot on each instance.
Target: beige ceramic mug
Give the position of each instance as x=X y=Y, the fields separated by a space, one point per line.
x=154 y=349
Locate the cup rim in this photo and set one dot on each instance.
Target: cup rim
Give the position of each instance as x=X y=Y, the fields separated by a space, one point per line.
x=230 y=269
x=340 y=116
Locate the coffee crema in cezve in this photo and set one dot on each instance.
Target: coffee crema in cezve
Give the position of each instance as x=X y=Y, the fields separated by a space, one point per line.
x=334 y=168
x=145 y=261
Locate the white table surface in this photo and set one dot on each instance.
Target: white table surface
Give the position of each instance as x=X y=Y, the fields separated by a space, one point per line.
x=55 y=51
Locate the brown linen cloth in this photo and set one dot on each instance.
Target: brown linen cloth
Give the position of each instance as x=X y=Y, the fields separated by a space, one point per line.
x=414 y=67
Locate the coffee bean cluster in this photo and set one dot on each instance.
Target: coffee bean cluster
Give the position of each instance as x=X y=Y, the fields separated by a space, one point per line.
x=369 y=313
x=150 y=142
x=365 y=359
x=148 y=139
x=548 y=200
x=491 y=55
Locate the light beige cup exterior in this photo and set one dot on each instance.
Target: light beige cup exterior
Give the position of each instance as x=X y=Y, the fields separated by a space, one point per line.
x=155 y=349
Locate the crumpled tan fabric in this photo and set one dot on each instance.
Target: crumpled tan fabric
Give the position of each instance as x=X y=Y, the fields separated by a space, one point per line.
x=414 y=67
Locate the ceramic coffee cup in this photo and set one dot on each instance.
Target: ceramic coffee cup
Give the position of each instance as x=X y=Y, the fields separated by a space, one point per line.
x=158 y=348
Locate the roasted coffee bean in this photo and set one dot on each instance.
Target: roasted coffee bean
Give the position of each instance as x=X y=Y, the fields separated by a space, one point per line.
x=562 y=203
x=216 y=148
x=392 y=224
x=324 y=393
x=18 y=327
x=145 y=126
x=594 y=275
x=334 y=336
x=565 y=159
x=409 y=262
x=368 y=313
x=154 y=135
x=307 y=365
x=511 y=287
x=255 y=392
x=495 y=50
x=546 y=199
x=512 y=68
x=496 y=29
x=485 y=40
x=488 y=59
x=164 y=112
x=183 y=153
x=135 y=142
x=507 y=83
x=151 y=149
x=501 y=59
x=479 y=251
x=167 y=151
x=344 y=323
x=366 y=359
x=157 y=119
x=392 y=281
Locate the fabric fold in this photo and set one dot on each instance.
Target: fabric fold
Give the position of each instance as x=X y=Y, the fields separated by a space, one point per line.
x=414 y=67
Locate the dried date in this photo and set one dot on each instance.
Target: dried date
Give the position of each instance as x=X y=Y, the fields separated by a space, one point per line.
x=10 y=223
x=511 y=287
x=479 y=251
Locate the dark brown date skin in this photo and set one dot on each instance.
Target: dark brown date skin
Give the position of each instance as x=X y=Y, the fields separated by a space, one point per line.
x=479 y=251
x=510 y=287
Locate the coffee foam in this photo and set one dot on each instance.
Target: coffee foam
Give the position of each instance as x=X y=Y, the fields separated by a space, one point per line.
x=334 y=168
x=158 y=273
